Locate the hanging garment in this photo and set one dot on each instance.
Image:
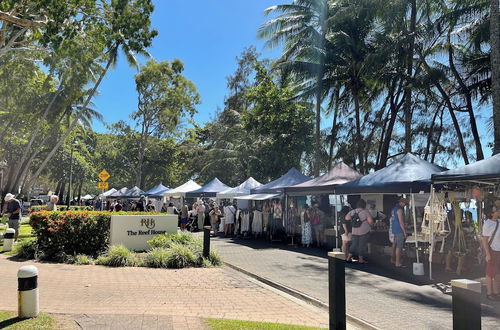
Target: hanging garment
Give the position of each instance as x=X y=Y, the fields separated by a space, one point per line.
x=306 y=233
x=257 y=222
x=245 y=221
x=291 y=221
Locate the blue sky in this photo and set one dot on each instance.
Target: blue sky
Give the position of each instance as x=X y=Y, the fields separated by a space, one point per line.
x=206 y=35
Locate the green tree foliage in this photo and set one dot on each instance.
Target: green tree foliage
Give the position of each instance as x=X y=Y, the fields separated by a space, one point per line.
x=165 y=98
x=282 y=127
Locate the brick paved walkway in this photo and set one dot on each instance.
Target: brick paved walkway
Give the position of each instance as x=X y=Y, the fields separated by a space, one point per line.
x=181 y=297
x=384 y=301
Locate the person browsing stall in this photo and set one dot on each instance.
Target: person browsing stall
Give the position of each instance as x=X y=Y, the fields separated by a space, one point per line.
x=491 y=246
x=399 y=231
x=361 y=222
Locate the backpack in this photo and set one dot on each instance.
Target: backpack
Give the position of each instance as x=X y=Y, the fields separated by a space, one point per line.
x=356 y=222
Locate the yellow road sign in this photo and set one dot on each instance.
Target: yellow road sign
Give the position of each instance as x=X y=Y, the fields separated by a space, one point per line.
x=103 y=185
x=104 y=175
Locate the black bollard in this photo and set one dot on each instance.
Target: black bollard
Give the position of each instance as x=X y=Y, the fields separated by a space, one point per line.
x=206 y=241
x=336 y=290
x=466 y=304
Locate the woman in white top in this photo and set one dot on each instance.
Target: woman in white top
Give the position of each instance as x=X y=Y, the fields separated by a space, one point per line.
x=491 y=246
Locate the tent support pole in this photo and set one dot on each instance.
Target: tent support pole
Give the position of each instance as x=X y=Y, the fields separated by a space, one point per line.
x=415 y=225
x=336 y=225
x=431 y=231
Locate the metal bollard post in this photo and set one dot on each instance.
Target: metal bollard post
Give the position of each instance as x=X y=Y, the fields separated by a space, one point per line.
x=336 y=290
x=8 y=239
x=466 y=304
x=27 y=277
x=206 y=241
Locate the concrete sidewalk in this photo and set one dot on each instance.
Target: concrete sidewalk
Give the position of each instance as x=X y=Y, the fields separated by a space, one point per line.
x=380 y=298
x=152 y=298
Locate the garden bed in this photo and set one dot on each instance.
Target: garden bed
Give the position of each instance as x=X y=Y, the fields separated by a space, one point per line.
x=82 y=237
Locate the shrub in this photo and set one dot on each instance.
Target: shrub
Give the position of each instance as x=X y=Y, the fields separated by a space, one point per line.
x=182 y=256
x=59 y=234
x=214 y=258
x=157 y=258
x=167 y=240
x=25 y=249
x=79 y=259
x=119 y=256
x=38 y=208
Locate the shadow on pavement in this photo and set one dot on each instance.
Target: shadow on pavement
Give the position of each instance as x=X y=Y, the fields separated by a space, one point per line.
x=378 y=264
x=9 y=322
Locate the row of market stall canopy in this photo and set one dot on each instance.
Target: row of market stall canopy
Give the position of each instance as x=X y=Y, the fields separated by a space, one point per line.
x=409 y=175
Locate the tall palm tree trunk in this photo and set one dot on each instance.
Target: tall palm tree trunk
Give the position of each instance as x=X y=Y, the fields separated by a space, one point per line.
x=468 y=101
x=359 y=144
x=495 y=71
x=78 y=115
x=409 y=73
x=333 y=133
x=24 y=161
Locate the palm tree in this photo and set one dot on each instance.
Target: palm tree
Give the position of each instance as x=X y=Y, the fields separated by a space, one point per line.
x=302 y=27
x=495 y=70
x=128 y=30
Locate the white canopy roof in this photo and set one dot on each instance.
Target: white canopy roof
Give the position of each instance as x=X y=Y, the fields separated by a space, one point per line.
x=242 y=189
x=107 y=193
x=88 y=196
x=182 y=190
x=258 y=197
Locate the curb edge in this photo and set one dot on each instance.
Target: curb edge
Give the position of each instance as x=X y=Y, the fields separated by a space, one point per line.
x=302 y=296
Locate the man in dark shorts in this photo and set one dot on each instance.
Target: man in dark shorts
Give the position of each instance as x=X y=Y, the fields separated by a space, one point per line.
x=13 y=213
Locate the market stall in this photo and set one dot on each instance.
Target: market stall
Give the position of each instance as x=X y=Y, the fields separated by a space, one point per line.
x=209 y=190
x=409 y=176
x=280 y=220
x=179 y=193
x=118 y=193
x=468 y=189
x=242 y=189
x=157 y=191
x=132 y=193
x=325 y=184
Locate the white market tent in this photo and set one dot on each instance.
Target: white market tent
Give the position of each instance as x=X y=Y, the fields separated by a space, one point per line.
x=107 y=193
x=118 y=193
x=182 y=190
x=242 y=189
x=87 y=197
x=258 y=197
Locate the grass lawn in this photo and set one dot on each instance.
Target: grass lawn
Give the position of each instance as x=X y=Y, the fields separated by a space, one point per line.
x=9 y=320
x=217 y=324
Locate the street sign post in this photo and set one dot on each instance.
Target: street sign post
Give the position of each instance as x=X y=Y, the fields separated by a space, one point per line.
x=103 y=185
x=104 y=175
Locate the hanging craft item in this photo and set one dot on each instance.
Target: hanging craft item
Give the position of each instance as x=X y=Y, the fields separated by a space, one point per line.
x=459 y=244
x=435 y=216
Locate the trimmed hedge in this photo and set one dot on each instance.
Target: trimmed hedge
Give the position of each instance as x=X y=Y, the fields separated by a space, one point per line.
x=38 y=208
x=68 y=233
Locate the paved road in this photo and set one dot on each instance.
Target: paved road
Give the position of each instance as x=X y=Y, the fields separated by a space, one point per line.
x=380 y=298
x=181 y=297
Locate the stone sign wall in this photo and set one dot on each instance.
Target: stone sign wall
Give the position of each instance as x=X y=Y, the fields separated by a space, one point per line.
x=134 y=231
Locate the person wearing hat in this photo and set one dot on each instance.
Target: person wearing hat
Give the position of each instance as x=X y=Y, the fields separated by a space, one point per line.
x=399 y=231
x=13 y=213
